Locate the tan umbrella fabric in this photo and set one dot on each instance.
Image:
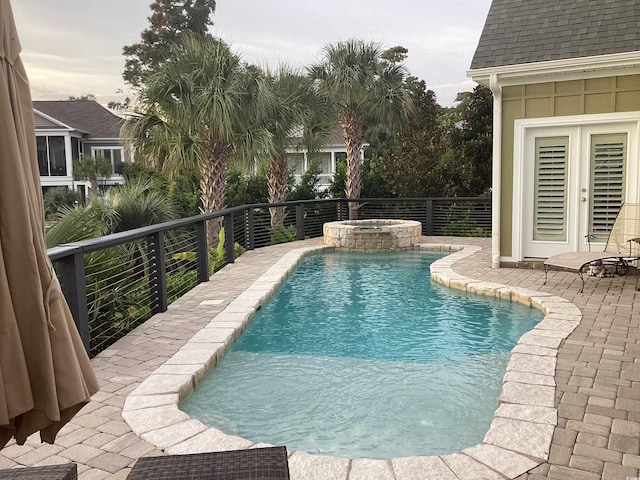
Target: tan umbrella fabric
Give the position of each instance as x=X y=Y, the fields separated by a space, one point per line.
x=45 y=374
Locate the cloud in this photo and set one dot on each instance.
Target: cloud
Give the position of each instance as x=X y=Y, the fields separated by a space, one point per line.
x=446 y=93
x=54 y=77
x=75 y=46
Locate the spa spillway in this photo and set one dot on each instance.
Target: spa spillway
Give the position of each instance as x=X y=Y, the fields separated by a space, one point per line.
x=375 y=235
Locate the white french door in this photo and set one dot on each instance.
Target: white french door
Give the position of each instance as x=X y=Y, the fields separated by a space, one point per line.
x=573 y=181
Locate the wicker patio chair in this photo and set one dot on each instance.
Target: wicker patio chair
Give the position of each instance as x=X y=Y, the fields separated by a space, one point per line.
x=67 y=471
x=269 y=463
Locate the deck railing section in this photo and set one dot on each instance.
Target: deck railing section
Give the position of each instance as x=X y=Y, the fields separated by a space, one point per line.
x=114 y=283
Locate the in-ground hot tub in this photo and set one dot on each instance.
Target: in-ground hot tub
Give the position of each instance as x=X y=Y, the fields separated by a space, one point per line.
x=375 y=235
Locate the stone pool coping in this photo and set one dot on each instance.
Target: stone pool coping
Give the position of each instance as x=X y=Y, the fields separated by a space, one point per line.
x=518 y=439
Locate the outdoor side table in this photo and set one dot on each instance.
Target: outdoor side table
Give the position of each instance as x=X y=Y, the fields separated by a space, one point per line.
x=269 y=463
x=67 y=471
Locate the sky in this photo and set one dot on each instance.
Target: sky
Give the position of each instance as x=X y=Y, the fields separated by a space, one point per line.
x=74 y=47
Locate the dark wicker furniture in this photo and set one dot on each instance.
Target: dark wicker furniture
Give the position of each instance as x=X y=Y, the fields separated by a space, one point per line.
x=67 y=471
x=252 y=464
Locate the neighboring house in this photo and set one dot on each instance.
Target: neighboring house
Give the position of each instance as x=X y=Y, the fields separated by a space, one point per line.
x=565 y=76
x=67 y=130
x=328 y=157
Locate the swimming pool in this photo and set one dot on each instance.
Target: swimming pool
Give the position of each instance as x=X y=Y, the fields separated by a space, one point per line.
x=386 y=364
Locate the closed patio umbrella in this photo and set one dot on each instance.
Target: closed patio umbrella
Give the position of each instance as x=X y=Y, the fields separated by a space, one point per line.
x=45 y=374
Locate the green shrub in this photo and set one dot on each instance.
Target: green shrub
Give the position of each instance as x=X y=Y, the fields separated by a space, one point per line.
x=58 y=197
x=180 y=281
x=308 y=188
x=465 y=228
x=282 y=234
x=217 y=257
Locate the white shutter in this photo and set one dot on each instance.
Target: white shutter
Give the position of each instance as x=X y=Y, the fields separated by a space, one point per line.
x=608 y=158
x=550 y=209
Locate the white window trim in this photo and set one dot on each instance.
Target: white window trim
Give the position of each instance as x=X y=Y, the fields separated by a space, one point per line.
x=566 y=125
x=67 y=152
x=95 y=149
x=325 y=178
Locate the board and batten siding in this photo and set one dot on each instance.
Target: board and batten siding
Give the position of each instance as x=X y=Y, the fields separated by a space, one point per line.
x=552 y=99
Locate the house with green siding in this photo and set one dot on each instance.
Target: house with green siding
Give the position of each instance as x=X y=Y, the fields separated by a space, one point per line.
x=565 y=77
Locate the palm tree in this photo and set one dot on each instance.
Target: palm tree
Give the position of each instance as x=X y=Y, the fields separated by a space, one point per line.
x=116 y=276
x=135 y=204
x=362 y=87
x=199 y=111
x=299 y=119
x=92 y=169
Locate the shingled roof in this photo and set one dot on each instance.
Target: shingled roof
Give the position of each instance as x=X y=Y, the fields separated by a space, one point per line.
x=85 y=115
x=528 y=31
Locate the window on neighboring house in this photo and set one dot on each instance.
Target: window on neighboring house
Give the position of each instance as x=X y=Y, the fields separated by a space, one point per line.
x=76 y=149
x=323 y=160
x=296 y=163
x=43 y=157
x=52 y=160
x=114 y=155
x=340 y=159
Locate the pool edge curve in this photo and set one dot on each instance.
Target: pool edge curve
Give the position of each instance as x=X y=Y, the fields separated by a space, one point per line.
x=518 y=439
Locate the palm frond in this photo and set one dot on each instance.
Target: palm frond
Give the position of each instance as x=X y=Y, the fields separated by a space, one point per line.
x=203 y=102
x=73 y=224
x=139 y=204
x=356 y=80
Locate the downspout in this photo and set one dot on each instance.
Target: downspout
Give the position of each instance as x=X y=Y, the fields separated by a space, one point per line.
x=496 y=180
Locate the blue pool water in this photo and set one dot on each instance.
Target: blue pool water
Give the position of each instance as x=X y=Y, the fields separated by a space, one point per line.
x=361 y=355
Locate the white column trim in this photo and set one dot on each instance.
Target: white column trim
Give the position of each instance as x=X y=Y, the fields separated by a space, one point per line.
x=496 y=188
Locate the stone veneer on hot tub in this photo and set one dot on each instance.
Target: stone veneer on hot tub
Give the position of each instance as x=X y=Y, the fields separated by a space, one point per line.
x=374 y=235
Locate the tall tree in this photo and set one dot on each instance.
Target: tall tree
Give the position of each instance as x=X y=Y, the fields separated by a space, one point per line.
x=83 y=97
x=299 y=119
x=413 y=169
x=363 y=88
x=198 y=111
x=471 y=143
x=395 y=54
x=170 y=19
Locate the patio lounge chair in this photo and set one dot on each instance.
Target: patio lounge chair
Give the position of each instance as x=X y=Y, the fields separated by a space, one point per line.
x=623 y=247
x=67 y=471
x=269 y=463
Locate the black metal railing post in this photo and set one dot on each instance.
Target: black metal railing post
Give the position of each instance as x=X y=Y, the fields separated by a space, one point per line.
x=300 y=221
x=343 y=210
x=202 y=252
x=229 y=240
x=251 y=234
x=74 y=288
x=157 y=273
x=428 y=228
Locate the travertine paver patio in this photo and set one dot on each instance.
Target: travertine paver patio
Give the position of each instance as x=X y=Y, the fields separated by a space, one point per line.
x=597 y=395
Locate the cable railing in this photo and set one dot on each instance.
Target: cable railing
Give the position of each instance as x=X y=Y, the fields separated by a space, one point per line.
x=114 y=283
